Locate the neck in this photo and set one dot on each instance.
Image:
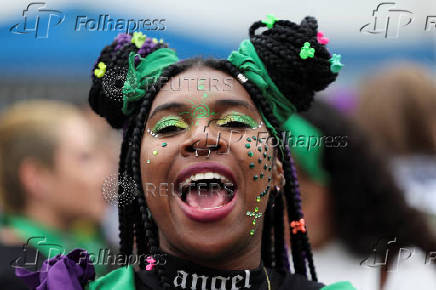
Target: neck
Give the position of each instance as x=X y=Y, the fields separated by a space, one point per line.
x=237 y=259
x=48 y=217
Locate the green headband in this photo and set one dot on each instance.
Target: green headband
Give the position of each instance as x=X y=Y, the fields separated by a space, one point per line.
x=307 y=157
x=249 y=63
x=146 y=73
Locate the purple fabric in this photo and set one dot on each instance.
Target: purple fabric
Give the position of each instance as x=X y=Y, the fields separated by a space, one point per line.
x=68 y=272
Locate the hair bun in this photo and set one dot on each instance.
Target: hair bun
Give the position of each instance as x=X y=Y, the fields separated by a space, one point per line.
x=105 y=95
x=279 y=48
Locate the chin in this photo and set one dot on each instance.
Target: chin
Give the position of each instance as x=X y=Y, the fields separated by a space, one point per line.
x=212 y=244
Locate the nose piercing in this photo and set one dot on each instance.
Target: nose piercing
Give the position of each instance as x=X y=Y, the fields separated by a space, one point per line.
x=197 y=149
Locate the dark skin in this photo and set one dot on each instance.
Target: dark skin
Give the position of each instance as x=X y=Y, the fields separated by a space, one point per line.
x=225 y=243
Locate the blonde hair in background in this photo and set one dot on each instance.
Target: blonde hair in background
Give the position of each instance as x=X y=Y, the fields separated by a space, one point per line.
x=397 y=109
x=28 y=131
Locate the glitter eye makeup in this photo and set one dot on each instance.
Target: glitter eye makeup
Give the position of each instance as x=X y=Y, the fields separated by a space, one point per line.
x=168 y=125
x=235 y=119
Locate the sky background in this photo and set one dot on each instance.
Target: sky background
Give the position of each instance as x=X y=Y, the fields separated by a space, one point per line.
x=208 y=28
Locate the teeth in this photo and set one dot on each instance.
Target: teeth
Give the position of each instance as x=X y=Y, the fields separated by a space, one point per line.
x=207 y=175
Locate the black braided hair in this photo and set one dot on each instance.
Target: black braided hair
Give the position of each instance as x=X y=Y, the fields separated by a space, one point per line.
x=297 y=79
x=279 y=49
x=279 y=240
x=267 y=248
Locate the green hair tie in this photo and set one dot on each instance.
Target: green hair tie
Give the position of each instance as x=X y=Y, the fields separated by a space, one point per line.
x=250 y=64
x=146 y=73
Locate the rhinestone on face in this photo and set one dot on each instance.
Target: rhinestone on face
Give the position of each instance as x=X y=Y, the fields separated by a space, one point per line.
x=251 y=165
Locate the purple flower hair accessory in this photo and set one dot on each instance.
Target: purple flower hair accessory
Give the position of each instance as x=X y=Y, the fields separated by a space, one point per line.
x=69 y=272
x=122 y=39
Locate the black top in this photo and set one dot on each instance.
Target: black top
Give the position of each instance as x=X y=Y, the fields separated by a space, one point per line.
x=17 y=256
x=183 y=274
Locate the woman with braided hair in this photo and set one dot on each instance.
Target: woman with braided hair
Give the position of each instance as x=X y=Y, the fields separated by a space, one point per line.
x=213 y=181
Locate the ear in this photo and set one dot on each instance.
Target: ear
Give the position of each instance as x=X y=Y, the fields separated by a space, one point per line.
x=34 y=178
x=278 y=177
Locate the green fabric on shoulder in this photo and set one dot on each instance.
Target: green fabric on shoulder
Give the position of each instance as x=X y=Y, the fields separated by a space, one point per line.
x=122 y=278
x=342 y=285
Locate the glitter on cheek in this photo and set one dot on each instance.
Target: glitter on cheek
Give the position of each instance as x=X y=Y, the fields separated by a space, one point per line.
x=267 y=167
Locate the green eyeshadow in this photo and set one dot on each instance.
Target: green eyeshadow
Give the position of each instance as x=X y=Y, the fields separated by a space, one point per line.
x=237 y=117
x=169 y=121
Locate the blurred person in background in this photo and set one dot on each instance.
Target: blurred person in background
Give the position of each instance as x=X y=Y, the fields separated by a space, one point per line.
x=50 y=181
x=108 y=142
x=360 y=224
x=397 y=109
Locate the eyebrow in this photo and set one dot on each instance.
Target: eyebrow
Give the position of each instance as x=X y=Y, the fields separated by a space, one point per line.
x=234 y=103
x=168 y=106
x=176 y=105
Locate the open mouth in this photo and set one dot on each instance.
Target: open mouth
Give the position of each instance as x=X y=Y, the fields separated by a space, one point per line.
x=206 y=191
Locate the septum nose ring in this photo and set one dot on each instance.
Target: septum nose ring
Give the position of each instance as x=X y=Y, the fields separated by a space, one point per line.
x=200 y=149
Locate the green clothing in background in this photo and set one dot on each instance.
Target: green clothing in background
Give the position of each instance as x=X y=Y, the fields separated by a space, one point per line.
x=50 y=242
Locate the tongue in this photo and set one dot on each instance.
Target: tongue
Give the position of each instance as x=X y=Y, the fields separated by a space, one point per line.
x=204 y=198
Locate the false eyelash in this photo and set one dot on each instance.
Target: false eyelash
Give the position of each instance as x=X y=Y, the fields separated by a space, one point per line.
x=237 y=117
